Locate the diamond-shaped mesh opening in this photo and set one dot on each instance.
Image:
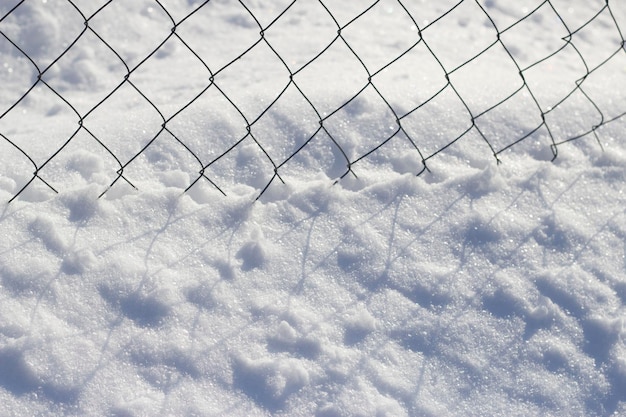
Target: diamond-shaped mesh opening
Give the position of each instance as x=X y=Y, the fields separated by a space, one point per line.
x=133 y=29
x=43 y=30
x=423 y=125
x=87 y=73
x=40 y=124
x=218 y=47
x=253 y=82
x=487 y=80
x=593 y=43
x=454 y=48
x=186 y=76
x=576 y=14
x=135 y=125
x=378 y=35
x=548 y=36
x=511 y=121
x=546 y=80
x=302 y=17
x=405 y=90
x=332 y=79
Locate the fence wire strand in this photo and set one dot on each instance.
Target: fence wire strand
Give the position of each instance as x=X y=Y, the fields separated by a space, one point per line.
x=425 y=37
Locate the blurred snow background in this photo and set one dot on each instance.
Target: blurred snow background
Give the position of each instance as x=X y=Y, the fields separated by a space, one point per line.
x=475 y=288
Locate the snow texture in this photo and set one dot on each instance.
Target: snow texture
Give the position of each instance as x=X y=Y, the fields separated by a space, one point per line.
x=475 y=288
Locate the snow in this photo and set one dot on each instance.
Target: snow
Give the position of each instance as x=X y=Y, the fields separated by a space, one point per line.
x=475 y=288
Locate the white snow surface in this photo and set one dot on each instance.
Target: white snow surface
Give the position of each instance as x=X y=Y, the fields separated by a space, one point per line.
x=473 y=289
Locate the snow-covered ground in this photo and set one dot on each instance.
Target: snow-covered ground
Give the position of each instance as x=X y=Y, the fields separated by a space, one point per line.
x=475 y=288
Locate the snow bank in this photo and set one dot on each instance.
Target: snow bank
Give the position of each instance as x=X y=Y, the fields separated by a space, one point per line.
x=476 y=288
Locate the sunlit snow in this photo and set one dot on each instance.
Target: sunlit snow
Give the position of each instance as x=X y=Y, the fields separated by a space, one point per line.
x=347 y=289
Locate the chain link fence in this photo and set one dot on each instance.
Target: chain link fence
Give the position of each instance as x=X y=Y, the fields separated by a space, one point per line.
x=72 y=64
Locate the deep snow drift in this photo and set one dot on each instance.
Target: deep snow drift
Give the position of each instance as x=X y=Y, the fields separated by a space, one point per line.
x=475 y=288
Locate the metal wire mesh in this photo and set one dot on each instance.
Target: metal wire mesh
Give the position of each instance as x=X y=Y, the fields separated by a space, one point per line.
x=266 y=54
